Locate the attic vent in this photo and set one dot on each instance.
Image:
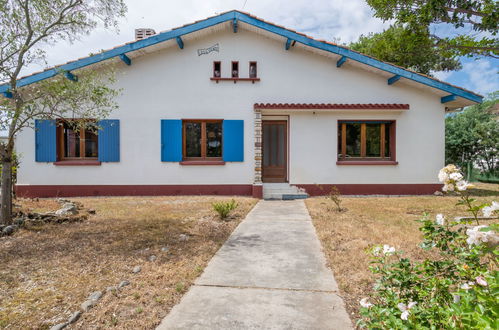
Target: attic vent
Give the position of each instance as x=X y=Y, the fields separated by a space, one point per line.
x=143 y=33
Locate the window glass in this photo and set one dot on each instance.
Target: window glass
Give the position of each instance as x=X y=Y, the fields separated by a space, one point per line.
x=214 y=139
x=235 y=69
x=252 y=70
x=91 y=146
x=193 y=139
x=373 y=140
x=387 y=141
x=353 y=140
x=71 y=142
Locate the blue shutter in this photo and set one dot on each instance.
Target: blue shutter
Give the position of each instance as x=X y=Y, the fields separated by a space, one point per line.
x=171 y=140
x=109 y=140
x=233 y=140
x=45 y=143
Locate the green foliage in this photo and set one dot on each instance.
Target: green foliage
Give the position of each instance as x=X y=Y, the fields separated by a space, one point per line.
x=224 y=208
x=458 y=17
x=473 y=136
x=410 y=49
x=457 y=287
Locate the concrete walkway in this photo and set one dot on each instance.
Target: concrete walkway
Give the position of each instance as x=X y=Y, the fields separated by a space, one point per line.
x=270 y=274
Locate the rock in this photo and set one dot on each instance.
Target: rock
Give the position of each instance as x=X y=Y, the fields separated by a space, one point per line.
x=165 y=249
x=123 y=284
x=136 y=269
x=95 y=295
x=110 y=289
x=183 y=237
x=88 y=304
x=19 y=221
x=152 y=258
x=438 y=193
x=67 y=209
x=59 y=326
x=91 y=211
x=73 y=318
x=9 y=230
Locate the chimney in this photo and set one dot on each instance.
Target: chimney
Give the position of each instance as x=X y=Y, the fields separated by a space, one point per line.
x=143 y=33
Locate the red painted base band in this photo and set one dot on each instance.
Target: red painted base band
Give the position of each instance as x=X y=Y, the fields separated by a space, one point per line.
x=227 y=190
x=372 y=189
x=131 y=190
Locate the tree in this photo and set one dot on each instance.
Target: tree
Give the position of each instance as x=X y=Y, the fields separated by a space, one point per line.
x=473 y=24
x=407 y=48
x=26 y=28
x=472 y=136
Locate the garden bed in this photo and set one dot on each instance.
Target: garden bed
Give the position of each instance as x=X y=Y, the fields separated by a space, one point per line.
x=369 y=221
x=49 y=270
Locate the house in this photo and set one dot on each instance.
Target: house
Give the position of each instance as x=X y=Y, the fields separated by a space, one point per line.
x=232 y=104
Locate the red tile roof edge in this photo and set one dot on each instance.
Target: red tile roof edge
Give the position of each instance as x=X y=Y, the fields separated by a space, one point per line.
x=331 y=106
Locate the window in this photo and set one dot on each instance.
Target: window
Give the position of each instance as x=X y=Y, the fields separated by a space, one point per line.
x=235 y=69
x=217 y=69
x=202 y=139
x=366 y=140
x=76 y=143
x=252 y=70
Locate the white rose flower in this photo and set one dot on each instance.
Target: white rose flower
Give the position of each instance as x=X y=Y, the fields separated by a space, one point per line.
x=411 y=304
x=462 y=185
x=448 y=187
x=376 y=251
x=365 y=303
x=481 y=281
x=456 y=176
x=388 y=250
x=440 y=219
x=402 y=307
x=467 y=286
x=476 y=236
x=405 y=315
x=443 y=176
x=487 y=211
x=456 y=298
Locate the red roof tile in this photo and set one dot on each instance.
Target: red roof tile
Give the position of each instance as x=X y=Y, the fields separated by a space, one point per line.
x=331 y=106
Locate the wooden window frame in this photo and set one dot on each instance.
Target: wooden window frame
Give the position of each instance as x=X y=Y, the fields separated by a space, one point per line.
x=60 y=145
x=214 y=68
x=363 y=160
x=203 y=159
x=232 y=69
x=256 y=69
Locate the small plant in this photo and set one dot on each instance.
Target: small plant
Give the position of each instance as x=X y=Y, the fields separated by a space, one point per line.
x=333 y=196
x=224 y=208
x=455 y=288
x=180 y=287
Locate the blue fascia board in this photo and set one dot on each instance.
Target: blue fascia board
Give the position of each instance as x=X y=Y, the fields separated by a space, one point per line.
x=340 y=62
x=71 y=76
x=448 y=98
x=126 y=59
x=394 y=79
x=230 y=16
x=234 y=25
x=358 y=57
x=180 y=42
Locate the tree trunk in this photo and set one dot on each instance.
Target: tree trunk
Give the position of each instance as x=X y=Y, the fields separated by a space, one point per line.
x=6 y=209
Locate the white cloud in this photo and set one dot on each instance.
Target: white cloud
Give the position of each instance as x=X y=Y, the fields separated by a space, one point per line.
x=482 y=76
x=442 y=75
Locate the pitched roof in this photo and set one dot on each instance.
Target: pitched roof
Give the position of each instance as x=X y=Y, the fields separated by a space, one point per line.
x=235 y=17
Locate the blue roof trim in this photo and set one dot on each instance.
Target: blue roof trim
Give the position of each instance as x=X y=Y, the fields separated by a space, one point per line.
x=126 y=59
x=180 y=43
x=239 y=16
x=393 y=79
x=448 y=98
x=340 y=62
x=234 y=25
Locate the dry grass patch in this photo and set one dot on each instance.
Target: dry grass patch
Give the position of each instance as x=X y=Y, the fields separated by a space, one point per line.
x=371 y=221
x=48 y=271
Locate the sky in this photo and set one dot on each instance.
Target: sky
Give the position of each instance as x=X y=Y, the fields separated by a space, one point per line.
x=341 y=21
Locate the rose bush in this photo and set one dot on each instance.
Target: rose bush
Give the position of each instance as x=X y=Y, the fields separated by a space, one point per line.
x=456 y=288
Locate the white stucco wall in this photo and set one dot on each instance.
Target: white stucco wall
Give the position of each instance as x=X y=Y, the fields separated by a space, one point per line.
x=175 y=84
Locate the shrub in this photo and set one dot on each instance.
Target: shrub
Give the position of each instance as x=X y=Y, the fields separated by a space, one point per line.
x=224 y=208
x=334 y=196
x=456 y=288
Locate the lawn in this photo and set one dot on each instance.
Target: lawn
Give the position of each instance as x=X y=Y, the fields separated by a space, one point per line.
x=369 y=221
x=48 y=271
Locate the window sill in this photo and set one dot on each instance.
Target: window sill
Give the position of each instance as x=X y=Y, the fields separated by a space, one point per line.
x=202 y=162
x=367 y=162
x=235 y=79
x=77 y=163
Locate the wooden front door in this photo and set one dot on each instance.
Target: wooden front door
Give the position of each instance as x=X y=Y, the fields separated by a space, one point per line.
x=275 y=151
